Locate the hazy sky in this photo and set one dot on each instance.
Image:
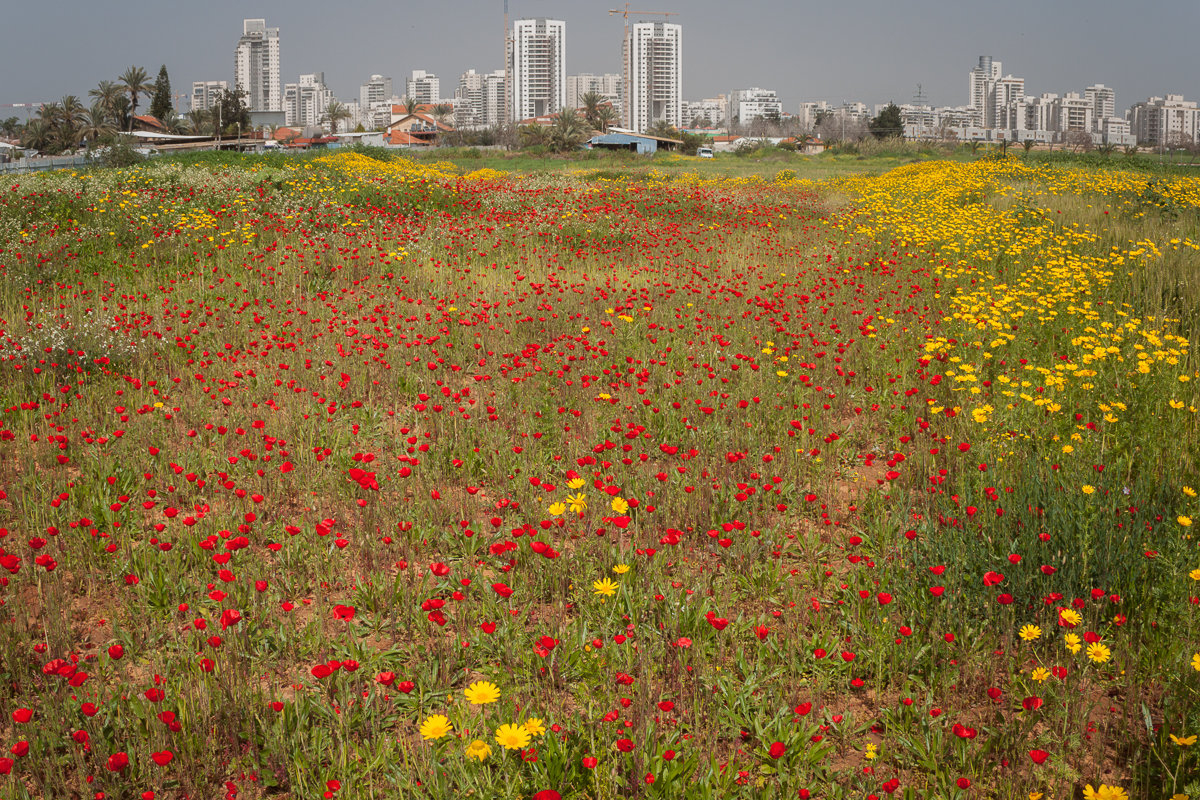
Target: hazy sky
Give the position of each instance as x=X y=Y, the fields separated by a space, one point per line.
x=868 y=50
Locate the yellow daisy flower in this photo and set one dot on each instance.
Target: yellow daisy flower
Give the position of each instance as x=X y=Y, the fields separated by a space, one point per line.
x=1071 y=642
x=1105 y=792
x=1183 y=741
x=435 y=727
x=535 y=726
x=605 y=586
x=619 y=505
x=621 y=569
x=577 y=503
x=482 y=692
x=512 y=737
x=557 y=509
x=1098 y=652
x=575 y=483
x=1030 y=633
x=479 y=749
x=1040 y=674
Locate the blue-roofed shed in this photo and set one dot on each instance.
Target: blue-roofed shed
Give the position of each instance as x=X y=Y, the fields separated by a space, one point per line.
x=639 y=143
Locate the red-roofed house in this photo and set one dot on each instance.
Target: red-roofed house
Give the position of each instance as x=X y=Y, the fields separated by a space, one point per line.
x=146 y=122
x=399 y=111
x=404 y=139
x=418 y=126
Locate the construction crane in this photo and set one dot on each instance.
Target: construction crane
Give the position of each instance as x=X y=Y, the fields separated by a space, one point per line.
x=507 y=66
x=627 y=56
x=26 y=107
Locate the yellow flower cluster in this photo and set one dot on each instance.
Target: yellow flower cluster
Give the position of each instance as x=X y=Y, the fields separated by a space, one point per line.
x=1018 y=271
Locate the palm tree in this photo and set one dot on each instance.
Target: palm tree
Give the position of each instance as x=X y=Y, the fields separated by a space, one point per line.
x=590 y=102
x=442 y=112
x=108 y=95
x=48 y=128
x=569 y=131
x=662 y=129
x=335 y=112
x=38 y=133
x=70 y=113
x=534 y=135
x=174 y=122
x=96 y=125
x=606 y=117
x=410 y=104
x=198 y=120
x=136 y=82
x=48 y=113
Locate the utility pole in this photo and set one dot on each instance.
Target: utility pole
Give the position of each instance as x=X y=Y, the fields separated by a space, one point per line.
x=921 y=101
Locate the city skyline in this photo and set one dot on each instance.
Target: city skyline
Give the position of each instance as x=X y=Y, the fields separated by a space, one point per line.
x=873 y=52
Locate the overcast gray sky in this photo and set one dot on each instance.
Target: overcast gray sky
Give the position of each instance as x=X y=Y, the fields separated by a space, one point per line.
x=868 y=50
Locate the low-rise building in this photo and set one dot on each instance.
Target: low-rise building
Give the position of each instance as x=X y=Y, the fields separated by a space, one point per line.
x=710 y=108
x=747 y=105
x=1165 y=121
x=206 y=93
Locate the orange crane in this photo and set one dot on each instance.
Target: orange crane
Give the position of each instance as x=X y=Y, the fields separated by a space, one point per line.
x=627 y=54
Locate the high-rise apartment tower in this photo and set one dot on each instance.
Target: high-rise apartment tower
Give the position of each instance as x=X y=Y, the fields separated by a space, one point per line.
x=654 y=53
x=537 y=59
x=256 y=66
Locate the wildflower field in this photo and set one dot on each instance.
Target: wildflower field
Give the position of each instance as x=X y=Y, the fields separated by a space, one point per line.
x=355 y=477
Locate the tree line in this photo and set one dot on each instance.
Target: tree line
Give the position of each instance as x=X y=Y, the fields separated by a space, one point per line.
x=69 y=124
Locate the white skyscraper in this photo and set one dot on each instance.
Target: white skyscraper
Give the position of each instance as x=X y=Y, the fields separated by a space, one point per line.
x=476 y=97
x=305 y=102
x=424 y=87
x=493 y=98
x=256 y=65
x=1008 y=94
x=538 y=64
x=1103 y=101
x=377 y=90
x=654 y=54
x=982 y=80
x=375 y=101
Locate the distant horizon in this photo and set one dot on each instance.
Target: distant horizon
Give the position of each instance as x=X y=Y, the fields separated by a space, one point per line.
x=871 y=52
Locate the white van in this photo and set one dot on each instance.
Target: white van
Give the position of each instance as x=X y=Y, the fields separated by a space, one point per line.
x=704 y=152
